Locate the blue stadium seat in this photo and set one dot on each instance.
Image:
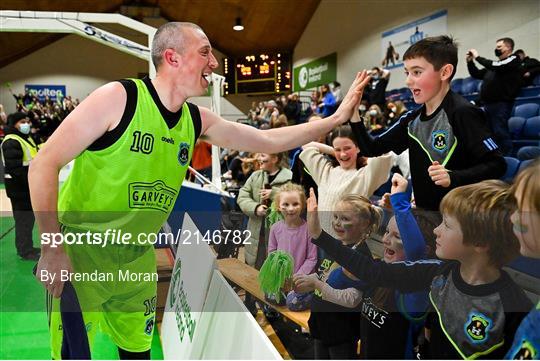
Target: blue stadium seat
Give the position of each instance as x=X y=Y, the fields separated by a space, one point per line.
x=530 y=91
x=527 y=100
x=524 y=165
x=536 y=80
x=512 y=166
x=531 y=130
x=479 y=86
x=469 y=86
x=456 y=85
x=515 y=125
x=526 y=110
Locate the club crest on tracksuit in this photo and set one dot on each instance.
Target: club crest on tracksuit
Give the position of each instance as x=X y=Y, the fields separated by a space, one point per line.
x=477 y=328
x=526 y=352
x=439 y=140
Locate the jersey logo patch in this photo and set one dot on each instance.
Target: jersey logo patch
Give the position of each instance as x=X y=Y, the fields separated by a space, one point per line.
x=154 y=195
x=439 y=140
x=526 y=352
x=149 y=326
x=477 y=327
x=183 y=154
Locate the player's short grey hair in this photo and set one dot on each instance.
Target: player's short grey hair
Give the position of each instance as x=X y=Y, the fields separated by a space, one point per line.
x=170 y=36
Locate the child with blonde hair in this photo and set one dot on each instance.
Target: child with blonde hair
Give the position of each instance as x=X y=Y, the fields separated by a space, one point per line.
x=334 y=322
x=526 y=226
x=291 y=235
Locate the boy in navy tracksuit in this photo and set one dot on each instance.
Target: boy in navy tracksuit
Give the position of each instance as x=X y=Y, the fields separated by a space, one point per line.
x=448 y=138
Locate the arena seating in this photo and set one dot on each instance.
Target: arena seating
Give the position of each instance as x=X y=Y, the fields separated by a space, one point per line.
x=524 y=124
x=513 y=167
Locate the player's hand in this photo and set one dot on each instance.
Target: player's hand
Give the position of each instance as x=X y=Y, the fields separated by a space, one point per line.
x=50 y=265
x=353 y=97
x=314 y=225
x=305 y=283
x=261 y=210
x=399 y=184
x=439 y=175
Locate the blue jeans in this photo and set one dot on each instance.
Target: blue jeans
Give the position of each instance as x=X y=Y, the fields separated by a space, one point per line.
x=498 y=114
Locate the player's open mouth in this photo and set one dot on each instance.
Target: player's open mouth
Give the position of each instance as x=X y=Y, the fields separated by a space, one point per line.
x=415 y=92
x=206 y=76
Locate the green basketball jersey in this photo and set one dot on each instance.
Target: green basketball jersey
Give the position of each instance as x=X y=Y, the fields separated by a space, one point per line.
x=130 y=183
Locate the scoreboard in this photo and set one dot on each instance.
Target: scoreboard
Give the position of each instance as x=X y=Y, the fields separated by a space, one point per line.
x=258 y=74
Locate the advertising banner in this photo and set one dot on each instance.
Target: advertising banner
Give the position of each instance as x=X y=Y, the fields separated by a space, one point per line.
x=315 y=73
x=54 y=92
x=395 y=42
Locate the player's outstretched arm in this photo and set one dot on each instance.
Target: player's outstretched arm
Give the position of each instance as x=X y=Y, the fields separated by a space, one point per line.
x=233 y=135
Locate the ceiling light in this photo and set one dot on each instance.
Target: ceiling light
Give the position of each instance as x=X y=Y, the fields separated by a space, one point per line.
x=238 y=25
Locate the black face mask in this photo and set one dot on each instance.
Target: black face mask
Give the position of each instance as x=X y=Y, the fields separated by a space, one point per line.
x=498 y=52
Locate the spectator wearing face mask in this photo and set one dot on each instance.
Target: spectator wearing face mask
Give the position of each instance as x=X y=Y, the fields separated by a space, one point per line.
x=502 y=81
x=362 y=109
x=374 y=118
x=18 y=150
x=377 y=87
x=393 y=111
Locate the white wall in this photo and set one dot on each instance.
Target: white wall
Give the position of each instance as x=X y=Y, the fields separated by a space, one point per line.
x=354 y=29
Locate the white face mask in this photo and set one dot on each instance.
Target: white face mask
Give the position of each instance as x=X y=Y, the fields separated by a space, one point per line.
x=373 y=112
x=25 y=128
x=362 y=108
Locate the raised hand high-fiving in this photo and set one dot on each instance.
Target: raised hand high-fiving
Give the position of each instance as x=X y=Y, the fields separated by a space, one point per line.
x=349 y=104
x=314 y=225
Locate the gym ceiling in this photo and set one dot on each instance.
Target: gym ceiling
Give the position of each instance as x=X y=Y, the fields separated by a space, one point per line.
x=269 y=25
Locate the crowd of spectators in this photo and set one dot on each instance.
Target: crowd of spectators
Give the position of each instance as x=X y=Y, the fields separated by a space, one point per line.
x=377 y=112
x=45 y=114
x=344 y=176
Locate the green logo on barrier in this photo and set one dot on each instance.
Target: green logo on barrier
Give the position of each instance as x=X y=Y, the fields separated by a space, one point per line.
x=178 y=303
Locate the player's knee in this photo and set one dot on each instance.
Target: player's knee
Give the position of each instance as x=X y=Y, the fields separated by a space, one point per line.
x=128 y=355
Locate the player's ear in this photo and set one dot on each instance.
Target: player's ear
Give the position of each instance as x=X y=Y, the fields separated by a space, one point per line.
x=171 y=57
